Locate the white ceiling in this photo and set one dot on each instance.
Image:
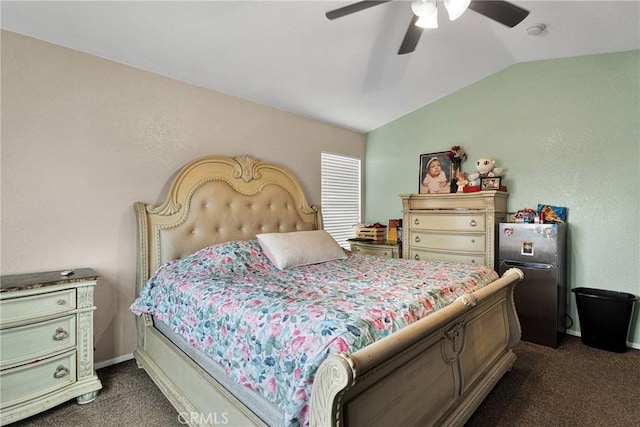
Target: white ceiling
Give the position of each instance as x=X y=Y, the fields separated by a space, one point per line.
x=288 y=55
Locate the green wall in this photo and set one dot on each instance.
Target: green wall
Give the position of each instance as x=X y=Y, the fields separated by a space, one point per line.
x=567 y=132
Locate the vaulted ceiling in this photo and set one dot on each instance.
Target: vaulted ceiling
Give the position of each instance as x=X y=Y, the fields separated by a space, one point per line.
x=288 y=55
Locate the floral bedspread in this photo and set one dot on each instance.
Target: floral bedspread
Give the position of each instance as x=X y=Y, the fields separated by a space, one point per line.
x=271 y=329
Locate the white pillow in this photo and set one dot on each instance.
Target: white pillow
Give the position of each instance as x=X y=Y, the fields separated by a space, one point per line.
x=286 y=250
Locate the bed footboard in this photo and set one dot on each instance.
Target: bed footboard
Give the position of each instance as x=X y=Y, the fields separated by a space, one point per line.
x=437 y=370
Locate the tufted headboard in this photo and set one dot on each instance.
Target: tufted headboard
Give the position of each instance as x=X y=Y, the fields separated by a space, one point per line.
x=216 y=199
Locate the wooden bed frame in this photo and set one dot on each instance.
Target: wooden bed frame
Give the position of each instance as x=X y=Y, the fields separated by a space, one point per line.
x=433 y=372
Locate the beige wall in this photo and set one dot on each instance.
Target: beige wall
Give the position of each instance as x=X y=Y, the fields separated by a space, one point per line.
x=83 y=138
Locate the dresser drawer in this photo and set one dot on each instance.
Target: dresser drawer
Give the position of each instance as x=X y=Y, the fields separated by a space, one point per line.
x=427 y=255
x=448 y=222
x=28 y=308
x=26 y=343
x=30 y=381
x=452 y=242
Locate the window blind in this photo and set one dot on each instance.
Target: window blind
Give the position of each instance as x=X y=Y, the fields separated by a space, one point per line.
x=340 y=194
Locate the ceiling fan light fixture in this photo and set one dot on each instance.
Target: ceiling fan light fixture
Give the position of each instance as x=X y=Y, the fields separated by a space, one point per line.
x=427 y=13
x=455 y=8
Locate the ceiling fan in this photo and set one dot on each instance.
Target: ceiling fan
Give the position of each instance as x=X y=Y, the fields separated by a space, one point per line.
x=426 y=15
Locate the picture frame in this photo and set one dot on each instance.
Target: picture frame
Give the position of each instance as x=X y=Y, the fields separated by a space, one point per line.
x=441 y=183
x=526 y=248
x=490 y=183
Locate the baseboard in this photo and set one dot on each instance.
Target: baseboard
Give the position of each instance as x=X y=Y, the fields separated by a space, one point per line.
x=113 y=361
x=629 y=344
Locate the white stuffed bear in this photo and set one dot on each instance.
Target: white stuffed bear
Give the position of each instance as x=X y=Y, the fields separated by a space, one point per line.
x=485 y=167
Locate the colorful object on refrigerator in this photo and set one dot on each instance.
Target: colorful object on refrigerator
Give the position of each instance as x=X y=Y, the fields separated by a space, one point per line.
x=552 y=214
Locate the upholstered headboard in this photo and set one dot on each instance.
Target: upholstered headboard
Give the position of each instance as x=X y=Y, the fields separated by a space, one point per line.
x=217 y=199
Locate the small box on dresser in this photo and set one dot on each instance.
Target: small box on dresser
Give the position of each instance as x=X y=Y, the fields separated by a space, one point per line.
x=378 y=234
x=453 y=227
x=46 y=342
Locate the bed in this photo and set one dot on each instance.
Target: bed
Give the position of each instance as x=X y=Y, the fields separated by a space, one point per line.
x=433 y=371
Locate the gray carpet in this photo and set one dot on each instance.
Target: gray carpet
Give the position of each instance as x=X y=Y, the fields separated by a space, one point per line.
x=573 y=385
x=128 y=398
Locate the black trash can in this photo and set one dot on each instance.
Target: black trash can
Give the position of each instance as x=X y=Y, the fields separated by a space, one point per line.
x=604 y=317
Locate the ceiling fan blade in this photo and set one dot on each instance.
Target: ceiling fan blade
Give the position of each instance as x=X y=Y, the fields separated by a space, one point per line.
x=353 y=8
x=411 y=37
x=504 y=12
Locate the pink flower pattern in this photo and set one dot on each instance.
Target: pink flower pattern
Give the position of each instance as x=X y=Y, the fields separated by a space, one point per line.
x=272 y=328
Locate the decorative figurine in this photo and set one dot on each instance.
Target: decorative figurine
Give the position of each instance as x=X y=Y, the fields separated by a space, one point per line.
x=462 y=181
x=485 y=168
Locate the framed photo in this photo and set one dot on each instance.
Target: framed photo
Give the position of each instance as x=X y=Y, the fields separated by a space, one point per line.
x=435 y=173
x=490 y=183
x=526 y=248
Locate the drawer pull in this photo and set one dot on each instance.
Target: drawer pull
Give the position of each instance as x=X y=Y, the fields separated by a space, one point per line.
x=417 y=257
x=473 y=240
x=417 y=239
x=473 y=223
x=60 y=334
x=416 y=221
x=61 y=301
x=60 y=372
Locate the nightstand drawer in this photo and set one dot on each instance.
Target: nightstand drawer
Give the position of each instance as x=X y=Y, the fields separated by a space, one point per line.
x=26 y=343
x=28 y=308
x=384 y=249
x=426 y=255
x=30 y=381
x=453 y=242
x=448 y=222
x=387 y=253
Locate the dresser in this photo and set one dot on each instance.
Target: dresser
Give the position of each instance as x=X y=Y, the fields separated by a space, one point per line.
x=456 y=227
x=385 y=249
x=46 y=342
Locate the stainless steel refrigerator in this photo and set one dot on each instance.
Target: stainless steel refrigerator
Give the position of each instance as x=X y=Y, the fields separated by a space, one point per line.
x=539 y=250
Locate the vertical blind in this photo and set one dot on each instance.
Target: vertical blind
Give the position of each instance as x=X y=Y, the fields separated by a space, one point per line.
x=340 y=196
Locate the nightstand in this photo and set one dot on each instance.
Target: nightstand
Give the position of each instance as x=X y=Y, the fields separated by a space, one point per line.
x=46 y=342
x=383 y=248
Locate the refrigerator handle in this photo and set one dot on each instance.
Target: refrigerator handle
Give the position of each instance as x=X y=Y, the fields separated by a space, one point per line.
x=527 y=265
